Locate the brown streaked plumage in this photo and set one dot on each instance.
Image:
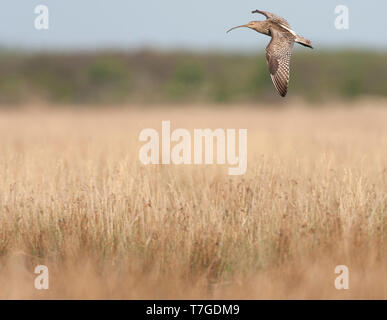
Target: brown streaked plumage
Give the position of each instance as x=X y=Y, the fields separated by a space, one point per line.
x=279 y=50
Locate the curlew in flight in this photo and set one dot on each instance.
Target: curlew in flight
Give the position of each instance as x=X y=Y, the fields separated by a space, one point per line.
x=279 y=50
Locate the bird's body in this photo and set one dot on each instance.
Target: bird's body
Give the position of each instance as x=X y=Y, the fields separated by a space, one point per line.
x=279 y=50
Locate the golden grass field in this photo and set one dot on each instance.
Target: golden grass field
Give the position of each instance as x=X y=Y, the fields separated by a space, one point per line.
x=74 y=197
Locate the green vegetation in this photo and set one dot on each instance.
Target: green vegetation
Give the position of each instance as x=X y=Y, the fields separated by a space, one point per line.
x=153 y=77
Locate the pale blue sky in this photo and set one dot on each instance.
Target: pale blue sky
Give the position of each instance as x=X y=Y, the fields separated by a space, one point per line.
x=196 y=24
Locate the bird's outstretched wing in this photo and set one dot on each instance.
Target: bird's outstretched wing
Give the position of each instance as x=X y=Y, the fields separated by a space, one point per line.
x=278 y=54
x=273 y=17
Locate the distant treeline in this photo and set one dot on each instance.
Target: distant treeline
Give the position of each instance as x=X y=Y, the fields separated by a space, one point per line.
x=154 y=77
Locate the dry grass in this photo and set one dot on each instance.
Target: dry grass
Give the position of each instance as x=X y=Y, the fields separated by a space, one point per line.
x=73 y=196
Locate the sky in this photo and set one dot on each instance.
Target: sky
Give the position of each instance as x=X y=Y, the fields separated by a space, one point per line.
x=179 y=24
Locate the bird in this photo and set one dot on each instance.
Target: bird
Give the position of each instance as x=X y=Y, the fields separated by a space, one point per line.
x=279 y=50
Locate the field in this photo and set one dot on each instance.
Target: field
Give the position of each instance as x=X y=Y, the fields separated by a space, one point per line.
x=75 y=197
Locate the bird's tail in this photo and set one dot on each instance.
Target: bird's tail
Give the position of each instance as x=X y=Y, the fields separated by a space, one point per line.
x=303 y=41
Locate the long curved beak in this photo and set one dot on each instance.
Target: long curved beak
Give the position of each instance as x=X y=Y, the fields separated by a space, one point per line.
x=244 y=26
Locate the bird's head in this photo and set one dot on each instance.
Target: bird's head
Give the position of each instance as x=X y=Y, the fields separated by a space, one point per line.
x=251 y=25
